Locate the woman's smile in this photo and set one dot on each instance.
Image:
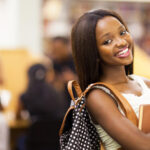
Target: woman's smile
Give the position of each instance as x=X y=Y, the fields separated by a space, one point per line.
x=124 y=52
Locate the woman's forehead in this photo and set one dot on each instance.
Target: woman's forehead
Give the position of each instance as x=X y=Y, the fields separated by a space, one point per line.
x=109 y=21
x=108 y=24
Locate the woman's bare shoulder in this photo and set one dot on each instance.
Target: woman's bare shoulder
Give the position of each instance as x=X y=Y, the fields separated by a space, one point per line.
x=98 y=96
x=98 y=103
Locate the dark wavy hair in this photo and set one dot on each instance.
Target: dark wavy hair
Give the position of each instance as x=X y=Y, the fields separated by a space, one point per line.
x=84 y=47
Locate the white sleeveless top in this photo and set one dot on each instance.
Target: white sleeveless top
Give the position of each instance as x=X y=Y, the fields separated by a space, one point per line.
x=134 y=101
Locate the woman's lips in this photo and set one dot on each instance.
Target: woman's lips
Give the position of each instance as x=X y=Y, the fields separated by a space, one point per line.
x=123 y=53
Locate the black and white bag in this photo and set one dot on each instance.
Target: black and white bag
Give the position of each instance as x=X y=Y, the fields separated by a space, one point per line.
x=77 y=132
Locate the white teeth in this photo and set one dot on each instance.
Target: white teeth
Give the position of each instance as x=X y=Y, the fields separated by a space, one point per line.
x=123 y=52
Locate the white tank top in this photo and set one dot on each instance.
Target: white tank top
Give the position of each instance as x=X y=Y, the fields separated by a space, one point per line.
x=134 y=101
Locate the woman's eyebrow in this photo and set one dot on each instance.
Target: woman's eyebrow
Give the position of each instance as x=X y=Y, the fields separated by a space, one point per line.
x=105 y=35
x=122 y=26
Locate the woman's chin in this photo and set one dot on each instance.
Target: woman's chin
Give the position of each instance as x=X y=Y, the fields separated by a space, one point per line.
x=128 y=62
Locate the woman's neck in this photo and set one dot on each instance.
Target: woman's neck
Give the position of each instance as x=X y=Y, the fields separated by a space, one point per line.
x=114 y=75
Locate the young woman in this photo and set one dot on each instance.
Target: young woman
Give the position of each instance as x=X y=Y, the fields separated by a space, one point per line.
x=103 y=51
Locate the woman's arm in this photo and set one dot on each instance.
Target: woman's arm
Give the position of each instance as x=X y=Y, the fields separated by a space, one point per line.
x=105 y=112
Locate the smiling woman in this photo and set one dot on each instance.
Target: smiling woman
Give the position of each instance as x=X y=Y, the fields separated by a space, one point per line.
x=114 y=42
x=103 y=51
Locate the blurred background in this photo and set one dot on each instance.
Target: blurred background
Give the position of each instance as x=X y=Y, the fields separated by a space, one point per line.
x=36 y=63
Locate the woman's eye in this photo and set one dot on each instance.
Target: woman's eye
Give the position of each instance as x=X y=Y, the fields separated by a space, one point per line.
x=107 y=42
x=123 y=32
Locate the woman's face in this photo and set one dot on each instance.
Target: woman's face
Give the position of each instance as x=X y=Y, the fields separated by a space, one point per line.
x=114 y=42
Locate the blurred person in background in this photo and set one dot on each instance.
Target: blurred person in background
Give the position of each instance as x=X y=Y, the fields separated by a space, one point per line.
x=60 y=54
x=44 y=105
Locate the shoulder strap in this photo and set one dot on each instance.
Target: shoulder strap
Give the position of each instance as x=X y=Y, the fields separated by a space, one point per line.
x=77 y=88
x=126 y=107
x=71 y=84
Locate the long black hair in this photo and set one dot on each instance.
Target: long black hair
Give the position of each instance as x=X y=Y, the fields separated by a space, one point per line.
x=84 y=47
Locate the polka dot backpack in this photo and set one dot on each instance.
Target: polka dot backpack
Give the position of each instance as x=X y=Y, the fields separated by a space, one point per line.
x=77 y=132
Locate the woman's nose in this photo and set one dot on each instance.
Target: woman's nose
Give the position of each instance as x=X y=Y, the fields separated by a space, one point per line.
x=120 y=42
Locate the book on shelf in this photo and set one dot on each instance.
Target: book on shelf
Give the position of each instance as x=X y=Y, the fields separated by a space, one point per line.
x=144 y=118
